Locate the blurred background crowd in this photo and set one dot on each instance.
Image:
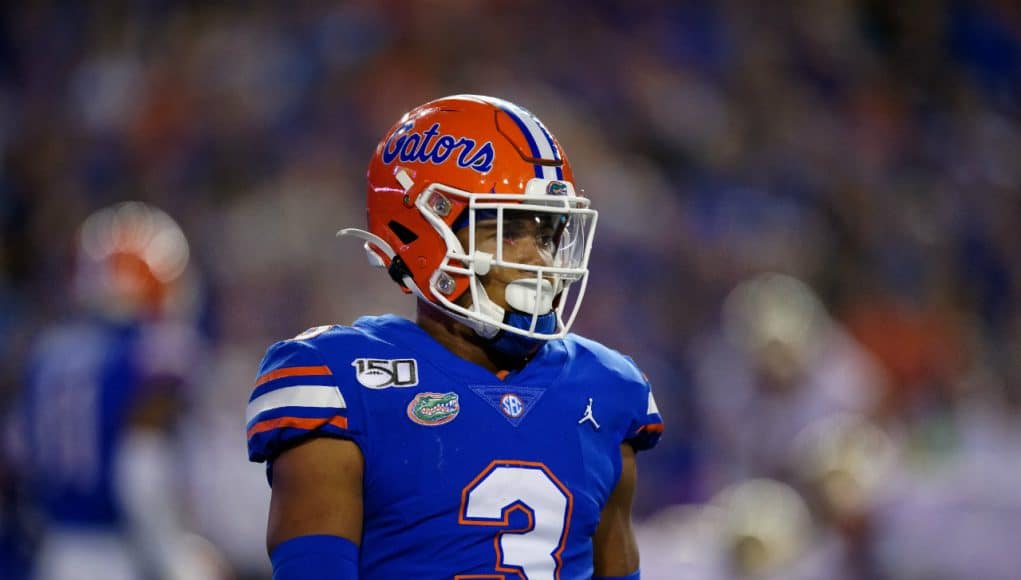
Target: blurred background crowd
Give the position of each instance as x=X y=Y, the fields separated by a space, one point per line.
x=809 y=240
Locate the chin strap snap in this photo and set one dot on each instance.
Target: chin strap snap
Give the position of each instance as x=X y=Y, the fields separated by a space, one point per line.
x=399 y=271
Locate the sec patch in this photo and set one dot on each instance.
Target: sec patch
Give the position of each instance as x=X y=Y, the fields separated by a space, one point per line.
x=433 y=409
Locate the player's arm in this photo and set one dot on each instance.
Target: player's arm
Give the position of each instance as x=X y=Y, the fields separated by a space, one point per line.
x=144 y=471
x=615 y=549
x=309 y=428
x=315 y=513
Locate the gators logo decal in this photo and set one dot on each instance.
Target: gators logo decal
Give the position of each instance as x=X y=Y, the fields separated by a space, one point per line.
x=431 y=409
x=556 y=188
x=434 y=146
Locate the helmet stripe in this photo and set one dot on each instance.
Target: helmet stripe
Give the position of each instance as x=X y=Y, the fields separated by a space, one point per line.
x=553 y=146
x=528 y=137
x=538 y=138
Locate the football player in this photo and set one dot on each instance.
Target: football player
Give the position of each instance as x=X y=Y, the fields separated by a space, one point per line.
x=100 y=404
x=481 y=440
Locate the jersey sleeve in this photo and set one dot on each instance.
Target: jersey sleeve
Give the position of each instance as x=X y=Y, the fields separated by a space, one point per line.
x=295 y=398
x=646 y=423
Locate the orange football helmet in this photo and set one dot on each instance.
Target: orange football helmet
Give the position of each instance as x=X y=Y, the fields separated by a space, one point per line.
x=451 y=163
x=131 y=258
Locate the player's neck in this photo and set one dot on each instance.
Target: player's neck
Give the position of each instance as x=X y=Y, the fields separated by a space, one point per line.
x=462 y=341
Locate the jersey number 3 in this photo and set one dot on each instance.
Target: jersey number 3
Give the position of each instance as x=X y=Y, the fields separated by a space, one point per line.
x=534 y=551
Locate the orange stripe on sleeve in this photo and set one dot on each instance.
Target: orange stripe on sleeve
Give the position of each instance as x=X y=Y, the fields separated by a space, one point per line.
x=293 y=372
x=652 y=428
x=298 y=422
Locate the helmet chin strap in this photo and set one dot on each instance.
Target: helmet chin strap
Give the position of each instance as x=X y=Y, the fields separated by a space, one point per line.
x=525 y=297
x=520 y=295
x=518 y=346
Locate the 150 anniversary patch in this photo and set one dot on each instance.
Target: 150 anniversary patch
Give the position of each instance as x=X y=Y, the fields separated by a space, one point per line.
x=376 y=373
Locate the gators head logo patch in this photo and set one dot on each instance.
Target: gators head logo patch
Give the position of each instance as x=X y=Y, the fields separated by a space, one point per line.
x=556 y=188
x=433 y=409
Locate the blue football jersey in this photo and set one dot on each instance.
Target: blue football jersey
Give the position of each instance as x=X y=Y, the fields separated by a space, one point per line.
x=84 y=379
x=467 y=475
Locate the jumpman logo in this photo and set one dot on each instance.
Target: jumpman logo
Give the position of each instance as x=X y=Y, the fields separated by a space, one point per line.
x=588 y=415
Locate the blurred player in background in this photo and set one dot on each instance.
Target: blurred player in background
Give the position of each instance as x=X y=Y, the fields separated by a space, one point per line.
x=816 y=524
x=104 y=391
x=780 y=364
x=482 y=439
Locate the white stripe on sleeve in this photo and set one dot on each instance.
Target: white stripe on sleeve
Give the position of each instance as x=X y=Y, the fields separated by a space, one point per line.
x=297 y=396
x=652 y=405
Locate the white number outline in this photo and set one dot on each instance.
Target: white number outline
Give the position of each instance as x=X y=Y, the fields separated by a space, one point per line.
x=504 y=521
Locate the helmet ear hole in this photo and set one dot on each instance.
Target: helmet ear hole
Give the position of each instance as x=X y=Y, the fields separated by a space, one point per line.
x=405 y=235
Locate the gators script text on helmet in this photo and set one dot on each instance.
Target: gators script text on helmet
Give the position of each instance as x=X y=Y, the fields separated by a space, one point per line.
x=460 y=160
